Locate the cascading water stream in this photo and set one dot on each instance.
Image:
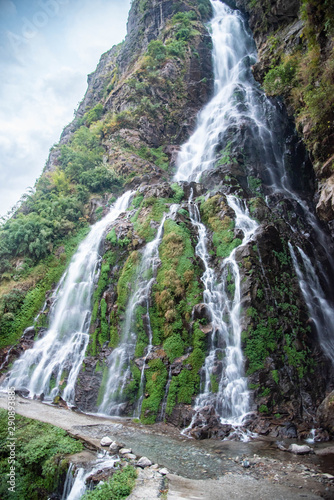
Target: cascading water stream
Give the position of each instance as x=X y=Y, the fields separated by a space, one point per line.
x=233 y=54
x=320 y=309
x=120 y=359
x=76 y=485
x=55 y=359
x=223 y=365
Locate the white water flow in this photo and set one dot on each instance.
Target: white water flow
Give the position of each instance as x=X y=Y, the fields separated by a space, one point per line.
x=233 y=54
x=320 y=309
x=162 y=413
x=222 y=376
x=75 y=485
x=56 y=358
x=119 y=361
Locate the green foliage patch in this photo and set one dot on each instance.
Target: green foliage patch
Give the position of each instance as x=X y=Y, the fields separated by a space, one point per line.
x=41 y=451
x=118 y=487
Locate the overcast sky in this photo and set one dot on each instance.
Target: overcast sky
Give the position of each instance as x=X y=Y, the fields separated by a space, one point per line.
x=47 y=48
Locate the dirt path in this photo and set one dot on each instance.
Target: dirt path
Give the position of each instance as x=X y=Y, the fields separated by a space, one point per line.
x=266 y=479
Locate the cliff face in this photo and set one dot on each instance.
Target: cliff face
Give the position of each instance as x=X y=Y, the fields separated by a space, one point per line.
x=295 y=46
x=140 y=106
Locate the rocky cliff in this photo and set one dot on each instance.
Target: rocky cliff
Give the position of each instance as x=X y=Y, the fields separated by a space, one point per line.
x=140 y=106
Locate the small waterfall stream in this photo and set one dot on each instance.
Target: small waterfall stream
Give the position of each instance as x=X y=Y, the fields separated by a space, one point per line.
x=53 y=364
x=224 y=362
x=75 y=483
x=120 y=359
x=320 y=309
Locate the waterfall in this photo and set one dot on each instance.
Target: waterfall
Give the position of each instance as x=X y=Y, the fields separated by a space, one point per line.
x=233 y=54
x=52 y=365
x=224 y=385
x=164 y=401
x=320 y=309
x=224 y=361
x=75 y=485
x=120 y=359
x=239 y=106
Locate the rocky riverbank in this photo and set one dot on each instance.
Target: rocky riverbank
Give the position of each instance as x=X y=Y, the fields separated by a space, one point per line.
x=196 y=469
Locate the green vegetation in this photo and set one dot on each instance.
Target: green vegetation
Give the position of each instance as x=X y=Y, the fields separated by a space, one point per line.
x=177 y=289
x=118 y=487
x=18 y=307
x=156 y=377
x=41 y=451
x=280 y=323
x=305 y=77
x=223 y=235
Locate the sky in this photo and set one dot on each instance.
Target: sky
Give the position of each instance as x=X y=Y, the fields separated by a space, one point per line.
x=47 y=49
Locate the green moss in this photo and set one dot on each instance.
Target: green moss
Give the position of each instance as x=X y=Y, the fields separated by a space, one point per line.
x=156 y=377
x=177 y=289
x=125 y=279
x=132 y=388
x=142 y=338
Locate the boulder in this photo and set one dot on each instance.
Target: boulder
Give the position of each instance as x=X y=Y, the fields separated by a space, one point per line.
x=144 y=462
x=125 y=451
x=164 y=471
x=325 y=413
x=300 y=449
x=106 y=441
x=114 y=447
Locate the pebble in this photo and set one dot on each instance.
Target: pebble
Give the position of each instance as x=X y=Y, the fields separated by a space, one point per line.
x=130 y=456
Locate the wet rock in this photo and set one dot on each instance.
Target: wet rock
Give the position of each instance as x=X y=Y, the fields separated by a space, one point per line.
x=58 y=400
x=206 y=424
x=124 y=451
x=201 y=311
x=115 y=447
x=106 y=441
x=181 y=415
x=144 y=462
x=101 y=475
x=130 y=456
x=300 y=449
x=179 y=364
x=325 y=451
x=289 y=431
x=24 y=393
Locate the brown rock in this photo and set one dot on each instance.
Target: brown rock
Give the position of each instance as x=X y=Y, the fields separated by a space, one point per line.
x=325 y=206
x=325 y=413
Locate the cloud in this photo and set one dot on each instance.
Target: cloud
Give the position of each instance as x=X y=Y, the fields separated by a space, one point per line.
x=43 y=81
